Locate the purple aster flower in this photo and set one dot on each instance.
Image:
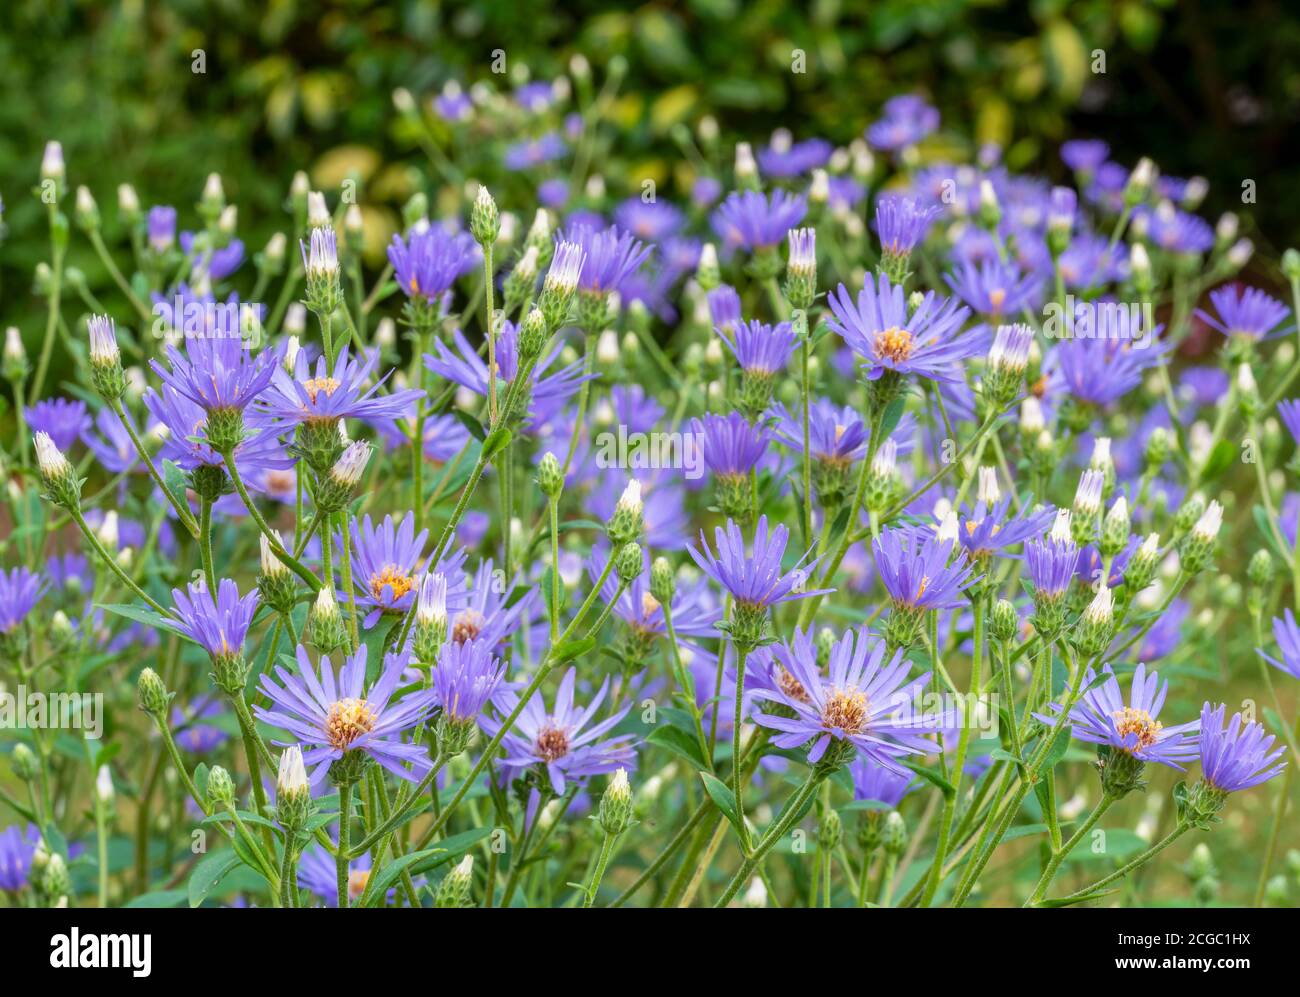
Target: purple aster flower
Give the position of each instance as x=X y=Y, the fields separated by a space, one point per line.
x=732 y=446
x=919 y=571
x=534 y=152
x=611 y=256
x=1102 y=367
x=330 y=717
x=161 y=227
x=112 y=444
x=323 y=396
x=989 y=529
x=755 y=580
x=444 y=435
x=844 y=194
x=1236 y=757
x=193 y=733
x=318 y=874
x=724 y=307
x=65 y=421
x=452 y=103
x=1051 y=565
x=218 y=373
x=758 y=222
x=219 y=626
x=1287 y=635
x=561 y=742
x=878 y=784
x=185 y=443
x=431 y=259
x=649 y=220
x=836 y=434
x=1174 y=231
x=785 y=159
x=694 y=614
x=863 y=700
x=20 y=590
x=535 y=97
x=902 y=222
x=881 y=330
x=1084 y=155
x=549 y=391
x=1246 y=312
x=907 y=120
x=467 y=677
x=17 y=848
x=195 y=315
x=215 y=263
x=705 y=191
x=1101 y=717
x=760 y=348
x=488 y=617
x=995 y=289
x=388 y=561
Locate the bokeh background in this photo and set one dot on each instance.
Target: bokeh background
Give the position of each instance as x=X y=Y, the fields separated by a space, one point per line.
x=1209 y=87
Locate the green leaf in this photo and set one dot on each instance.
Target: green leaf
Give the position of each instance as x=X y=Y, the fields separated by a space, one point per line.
x=893 y=413
x=497 y=441
x=141 y=614
x=1071 y=901
x=931 y=775
x=422 y=862
x=475 y=427
x=723 y=799
x=210 y=871
x=159 y=898
x=571 y=649
x=679 y=742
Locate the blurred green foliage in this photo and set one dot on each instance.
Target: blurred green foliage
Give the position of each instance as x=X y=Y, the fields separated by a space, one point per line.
x=162 y=93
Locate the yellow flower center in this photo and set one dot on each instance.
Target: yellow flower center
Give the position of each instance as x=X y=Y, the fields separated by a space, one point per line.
x=1129 y=721
x=552 y=743
x=894 y=344
x=792 y=687
x=846 y=710
x=315 y=385
x=348 y=719
x=357 y=880
x=925 y=584
x=996 y=297
x=648 y=604
x=391 y=577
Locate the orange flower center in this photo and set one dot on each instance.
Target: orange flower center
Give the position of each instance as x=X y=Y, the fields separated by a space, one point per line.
x=846 y=710
x=468 y=625
x=391 y=577
x=894 y=344
x=1129 y=721
x=552 y=743
x=348 y=719
x=315 y=385
x=792 y=687
x=357 y=880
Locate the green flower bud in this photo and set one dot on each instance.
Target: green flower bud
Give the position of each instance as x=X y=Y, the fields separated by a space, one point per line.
x=830 y=830
x=24 y=762
x=533 y=336
x=454 y=889
x=615 y=814
x=663 y=581
x=55 y=882
x=626 y=523
x=550 y=478
x=1115 y=528
x=484 y=219
x=894 y=837
x=221 y=789
x=629 y=562
x=152 y=694
x=1005 y=623
x=325 y=622
x=1261 y=570
x=1291 y=264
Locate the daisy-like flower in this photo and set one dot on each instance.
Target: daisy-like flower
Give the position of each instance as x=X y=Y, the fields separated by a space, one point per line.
x=161 y=227
x=724 y=307
x=755 y=578
x=487 y=615
x=1236 y=757
x=219 y=625
x=610 y=256
x=1102 y=717
x=333 y=716
x=649 y=220
x=988 y=529
x=907 y=120
x=1245 y=312
x=388 y=561
x=1174 y=231
x=731 y=446
x=863 y=702
x=694 y=614
x=1084 y=155
x=111 y=444
x=534 y=152
x=881 y=330
x=430 y=260
x=995 y=289
x=902 y=223
x=323 y=395
x=182 y=425
x=784 y=158
x=757 y=222
x=1287 y=635
x=549 y=391
x=63 y=420
x=921 y=571
x=760 y=349
x=20 y=591
x=17 y=849
x=466 y=678
x=218 y=373
x=560 y=742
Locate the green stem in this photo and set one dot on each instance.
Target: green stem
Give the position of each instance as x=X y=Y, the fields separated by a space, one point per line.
x=606 y=850
x=1060 y=855
x=1124 y=870
x=793 y=810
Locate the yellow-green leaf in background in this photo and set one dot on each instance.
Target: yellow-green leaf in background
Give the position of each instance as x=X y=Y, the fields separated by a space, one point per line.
x=1067 y=59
